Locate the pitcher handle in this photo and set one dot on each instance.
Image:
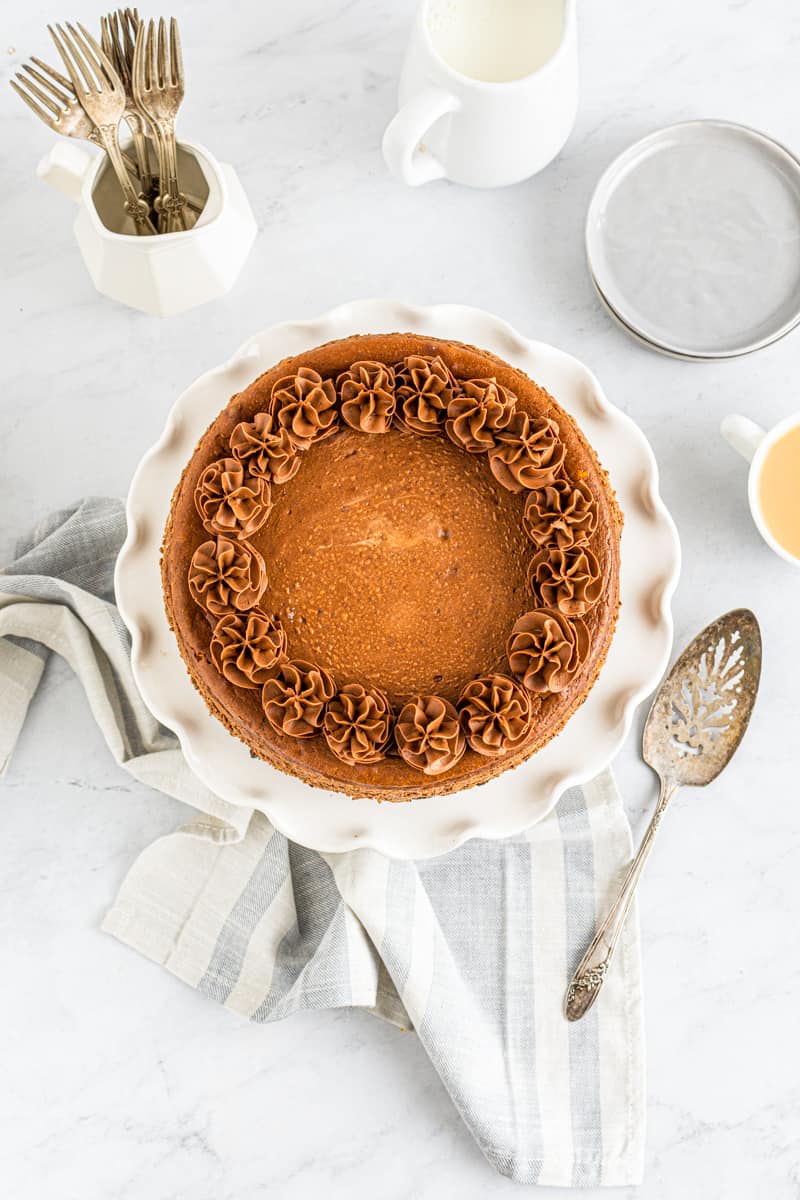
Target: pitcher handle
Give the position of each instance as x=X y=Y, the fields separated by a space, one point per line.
x=406 y=130
x=64 y=167
x=742 y=434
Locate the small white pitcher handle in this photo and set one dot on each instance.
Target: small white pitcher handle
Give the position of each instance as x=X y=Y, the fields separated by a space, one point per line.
x=405 y=132
x=743 y=434
x=64 y=168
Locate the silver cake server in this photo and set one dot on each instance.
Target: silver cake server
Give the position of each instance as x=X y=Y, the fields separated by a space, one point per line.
x=697 y=720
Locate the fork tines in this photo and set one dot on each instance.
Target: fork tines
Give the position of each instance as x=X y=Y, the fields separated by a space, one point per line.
x=87 y=65
x=161 y=56
x=175 y=53
x=119 y=40
x=51 y=99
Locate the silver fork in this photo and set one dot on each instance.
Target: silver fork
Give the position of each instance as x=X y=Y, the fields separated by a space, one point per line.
x=100 y=91
x=158 y=89
x=118 y=40
x=51 y=96
x=119 y=30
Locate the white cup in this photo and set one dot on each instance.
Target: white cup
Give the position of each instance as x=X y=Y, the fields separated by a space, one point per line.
x=488 y=91
x=754 y=444
x=163 y=274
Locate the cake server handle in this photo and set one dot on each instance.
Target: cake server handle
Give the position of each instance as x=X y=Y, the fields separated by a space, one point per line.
x=593 y=968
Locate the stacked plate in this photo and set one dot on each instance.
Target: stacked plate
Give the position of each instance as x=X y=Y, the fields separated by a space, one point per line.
x=693 y=240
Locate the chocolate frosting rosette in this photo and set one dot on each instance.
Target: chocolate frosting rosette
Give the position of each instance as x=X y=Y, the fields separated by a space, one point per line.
x=294 y=698
x=495 y=715
x=425 y=386
x=562 y=514
x=226 y=575
x=266 y=448
x=428 y=735
x=568 y=580
x=358 y=725
x=367 y=395
x=477 y=415
x=305 y=406
x=529 y=453
x=546 y=648
x=246 y=647
x=231 y=502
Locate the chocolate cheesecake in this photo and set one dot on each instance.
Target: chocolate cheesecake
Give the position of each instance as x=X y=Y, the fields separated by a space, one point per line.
x=392 y=566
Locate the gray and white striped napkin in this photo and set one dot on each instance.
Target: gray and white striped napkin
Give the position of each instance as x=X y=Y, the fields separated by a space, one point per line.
x=472 y=950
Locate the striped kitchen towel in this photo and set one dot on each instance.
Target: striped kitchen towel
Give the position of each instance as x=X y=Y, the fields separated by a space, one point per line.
x=472 y=950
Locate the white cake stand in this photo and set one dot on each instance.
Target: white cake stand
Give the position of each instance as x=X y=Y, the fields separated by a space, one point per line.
x=330 y=821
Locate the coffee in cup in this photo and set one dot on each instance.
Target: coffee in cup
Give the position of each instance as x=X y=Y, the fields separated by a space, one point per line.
x=779 y=490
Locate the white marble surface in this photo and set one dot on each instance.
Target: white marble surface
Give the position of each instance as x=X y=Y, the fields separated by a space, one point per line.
x=118 y=1081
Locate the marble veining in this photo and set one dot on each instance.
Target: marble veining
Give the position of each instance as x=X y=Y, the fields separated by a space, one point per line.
x=118 y=1081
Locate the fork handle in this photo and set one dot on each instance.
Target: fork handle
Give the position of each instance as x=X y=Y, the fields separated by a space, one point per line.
x=173 y=202
x=142 y=156
x=135 y=207
x=593 y=968
x=130 y=164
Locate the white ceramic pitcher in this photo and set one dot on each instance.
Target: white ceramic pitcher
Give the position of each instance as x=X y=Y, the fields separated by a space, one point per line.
x=488 y=91
x=163 y=274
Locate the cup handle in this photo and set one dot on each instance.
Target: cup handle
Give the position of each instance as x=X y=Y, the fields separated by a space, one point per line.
x=406 y=130
x=64 y=168
x=743 y=434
